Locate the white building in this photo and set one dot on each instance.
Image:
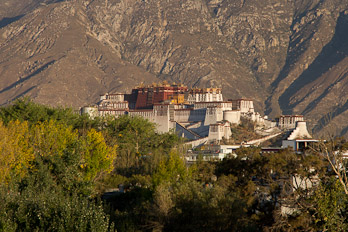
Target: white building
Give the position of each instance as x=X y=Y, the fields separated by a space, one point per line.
x=205 y=95
x=299 y=138
x=243 y=105
x=289 y=121
x=219 y=130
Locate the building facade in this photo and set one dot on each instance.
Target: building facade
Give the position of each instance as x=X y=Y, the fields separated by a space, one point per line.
x=194 y=114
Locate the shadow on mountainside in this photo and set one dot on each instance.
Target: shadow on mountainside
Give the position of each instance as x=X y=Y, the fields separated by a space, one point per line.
x=334 y=52
x=6 y=21
x=292 y=54
x=327 y=118
x=28 y=8
x=344 y=132
x=42 y=68
x=18 y=96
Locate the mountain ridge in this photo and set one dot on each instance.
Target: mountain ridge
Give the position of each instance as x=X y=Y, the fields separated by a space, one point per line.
x=289 y=56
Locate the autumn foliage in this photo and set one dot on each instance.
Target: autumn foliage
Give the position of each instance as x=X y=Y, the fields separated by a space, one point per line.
x=60 y=171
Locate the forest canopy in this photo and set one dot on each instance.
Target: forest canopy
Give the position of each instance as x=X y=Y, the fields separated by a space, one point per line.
x=61 y=171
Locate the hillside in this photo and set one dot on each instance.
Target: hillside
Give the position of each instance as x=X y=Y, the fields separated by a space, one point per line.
x=289 y=56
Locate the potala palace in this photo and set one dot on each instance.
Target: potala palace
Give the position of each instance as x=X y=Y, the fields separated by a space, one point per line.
x=200 y=115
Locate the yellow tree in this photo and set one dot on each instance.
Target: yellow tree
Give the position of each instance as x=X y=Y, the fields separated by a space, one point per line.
x=97 y=156
x=15 y=150
x=52 y=138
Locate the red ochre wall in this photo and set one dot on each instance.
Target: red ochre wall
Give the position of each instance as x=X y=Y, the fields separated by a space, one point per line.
x=163 y=93
x=159 y=94
x=141 y=99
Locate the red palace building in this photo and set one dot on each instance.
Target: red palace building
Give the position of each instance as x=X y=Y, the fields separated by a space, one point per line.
x=147 y=96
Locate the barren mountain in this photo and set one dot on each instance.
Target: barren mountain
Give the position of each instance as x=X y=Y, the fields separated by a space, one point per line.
x=289 y=56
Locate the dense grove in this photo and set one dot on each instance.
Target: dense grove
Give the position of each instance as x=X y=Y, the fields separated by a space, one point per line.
x=55 y=167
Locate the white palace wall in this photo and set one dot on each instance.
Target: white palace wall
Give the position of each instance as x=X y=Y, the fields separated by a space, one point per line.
x=182 y=115
x=113 y=112
x=218 y=131
x=213 y=115
x=189 y=115
x=233 y=116
x=223 y=105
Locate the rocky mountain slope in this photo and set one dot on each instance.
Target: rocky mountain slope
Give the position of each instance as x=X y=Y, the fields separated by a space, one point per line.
x=289 y=56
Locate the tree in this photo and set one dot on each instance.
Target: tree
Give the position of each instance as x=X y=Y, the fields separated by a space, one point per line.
x=171 y=170
x=140 y=147
x=97 y=156
x=330 y=203
x=191 y=206
x=40 y=203
x=53 y=138
x=52 y=191
x=333 y=154
x=23 y=109
x=57 y=142
x=15 y=151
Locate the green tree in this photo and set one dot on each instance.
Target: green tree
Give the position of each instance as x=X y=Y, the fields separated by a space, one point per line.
x=23 y=109
x=331 y=206
x=40 y=203
x=191 y=206
x=140 y=147
x=171 y=170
